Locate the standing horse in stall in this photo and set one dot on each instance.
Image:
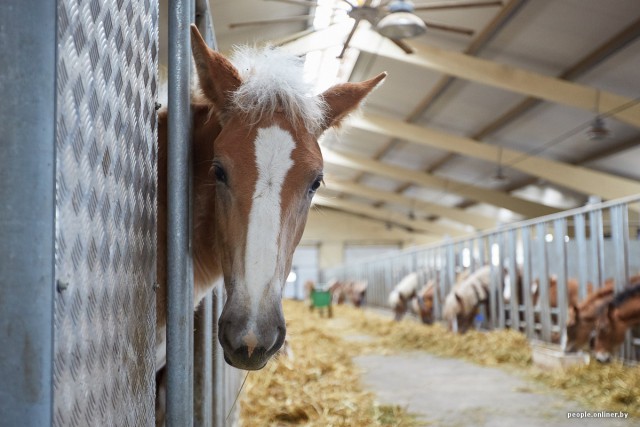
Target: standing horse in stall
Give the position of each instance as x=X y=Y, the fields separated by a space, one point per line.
x=402 y=294
x=462 y=303
x=613 y=321
x=356 y=292
x=581 y=318
x=406 y=296
x=422 y=304
x=256 y=166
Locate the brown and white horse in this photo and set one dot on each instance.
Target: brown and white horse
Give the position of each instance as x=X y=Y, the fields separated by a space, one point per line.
x=462 y=303
x=622 y=313
x=581 y=318
x=256 y=166
x=408 y=295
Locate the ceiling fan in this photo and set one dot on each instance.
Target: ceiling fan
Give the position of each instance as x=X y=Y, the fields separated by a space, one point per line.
x=394 y=19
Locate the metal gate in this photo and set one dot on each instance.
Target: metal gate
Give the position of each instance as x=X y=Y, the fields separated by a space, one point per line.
x=78 y=219
x=590 y=244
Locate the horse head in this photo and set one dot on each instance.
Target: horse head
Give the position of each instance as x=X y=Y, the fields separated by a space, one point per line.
x=610 y=333
x=266 y=166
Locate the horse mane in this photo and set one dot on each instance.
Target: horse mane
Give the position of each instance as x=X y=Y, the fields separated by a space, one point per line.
x=625 y=295
x=272 y=81
x=408 y=284
x=600 y=293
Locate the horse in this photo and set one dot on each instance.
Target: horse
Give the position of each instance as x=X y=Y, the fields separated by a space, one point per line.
x=402 y=294
x=422 y=304
x=581 y=318
x=462 y=303
x=338 y=292
x=256 y=166
x=406 y=296
x=356 y=292
x=622 y=313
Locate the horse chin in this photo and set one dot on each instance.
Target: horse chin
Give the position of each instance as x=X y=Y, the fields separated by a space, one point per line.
x=603 y=357
x=245 y=366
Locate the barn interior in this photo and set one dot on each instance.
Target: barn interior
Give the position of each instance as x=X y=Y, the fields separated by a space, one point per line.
x=501 y=111
x=504 y=139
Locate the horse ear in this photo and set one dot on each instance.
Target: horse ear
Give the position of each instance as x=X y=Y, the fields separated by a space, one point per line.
x=343 y=98
x=218 y=77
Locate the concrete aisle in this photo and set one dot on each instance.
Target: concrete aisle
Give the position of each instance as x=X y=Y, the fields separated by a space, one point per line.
x=455 y=393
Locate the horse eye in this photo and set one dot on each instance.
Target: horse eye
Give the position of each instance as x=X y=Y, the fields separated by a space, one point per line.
x=315 y=185
x=220 y=174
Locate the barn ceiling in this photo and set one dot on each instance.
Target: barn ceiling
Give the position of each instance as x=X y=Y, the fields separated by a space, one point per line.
x=517 y=97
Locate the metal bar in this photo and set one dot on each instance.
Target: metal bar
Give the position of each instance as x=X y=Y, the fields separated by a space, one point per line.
x=527 y=282
x=502 y=321
x=581 y=246
x=620 y=237
x=179 y=279
x=205 y=327
x=219 y=414
x=203 y=363
x=493 y=285
x=541 y=251
x=560 y=252
x=27 y=227
x=514 y=303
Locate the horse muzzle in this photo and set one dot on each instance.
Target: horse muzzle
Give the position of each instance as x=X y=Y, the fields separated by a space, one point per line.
x=249 y=348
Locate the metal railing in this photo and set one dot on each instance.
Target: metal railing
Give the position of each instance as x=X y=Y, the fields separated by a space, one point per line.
x=207 y=399
x=589 y=244
x=77 y=206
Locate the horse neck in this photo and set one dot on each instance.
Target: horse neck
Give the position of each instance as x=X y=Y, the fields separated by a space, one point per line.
x=207 y=267
x=629 y=311
x=595 y=300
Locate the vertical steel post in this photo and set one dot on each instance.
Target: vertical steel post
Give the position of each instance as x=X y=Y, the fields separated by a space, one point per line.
x=527 y=282
x=581 y=246
x=541 y=250
x=218 y=363
x=560 y=253
x=596 y=237
x=203 y=363
x=179 y=279
x=514 y=302
x=27 y=222
x=620 y=236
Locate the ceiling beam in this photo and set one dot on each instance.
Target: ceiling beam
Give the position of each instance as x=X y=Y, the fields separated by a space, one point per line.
x=388 y=216
x=497 y=198
x=506 y=77
x=577 y=178
x=476 y=221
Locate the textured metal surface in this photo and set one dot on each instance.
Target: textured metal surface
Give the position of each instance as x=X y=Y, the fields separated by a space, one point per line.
x=106 y=213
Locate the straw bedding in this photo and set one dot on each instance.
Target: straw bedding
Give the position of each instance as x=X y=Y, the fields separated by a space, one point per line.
x=320 y=386
x=317 y=386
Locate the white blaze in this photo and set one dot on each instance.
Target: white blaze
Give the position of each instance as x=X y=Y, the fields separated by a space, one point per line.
x=273 y=148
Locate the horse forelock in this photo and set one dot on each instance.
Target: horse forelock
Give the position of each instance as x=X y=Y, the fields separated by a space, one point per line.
x=272 y=82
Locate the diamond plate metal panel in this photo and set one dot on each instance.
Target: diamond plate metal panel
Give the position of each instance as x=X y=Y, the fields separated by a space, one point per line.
x=104 y=371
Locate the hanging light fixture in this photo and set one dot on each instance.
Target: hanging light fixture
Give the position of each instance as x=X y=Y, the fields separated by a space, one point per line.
x=499 y=177
x=598 y=129
x=401 y=22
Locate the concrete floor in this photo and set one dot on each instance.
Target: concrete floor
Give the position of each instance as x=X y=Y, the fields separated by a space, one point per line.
x=454 y=393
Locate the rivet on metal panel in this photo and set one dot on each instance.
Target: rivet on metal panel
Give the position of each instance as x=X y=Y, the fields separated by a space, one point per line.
x=61 y=286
